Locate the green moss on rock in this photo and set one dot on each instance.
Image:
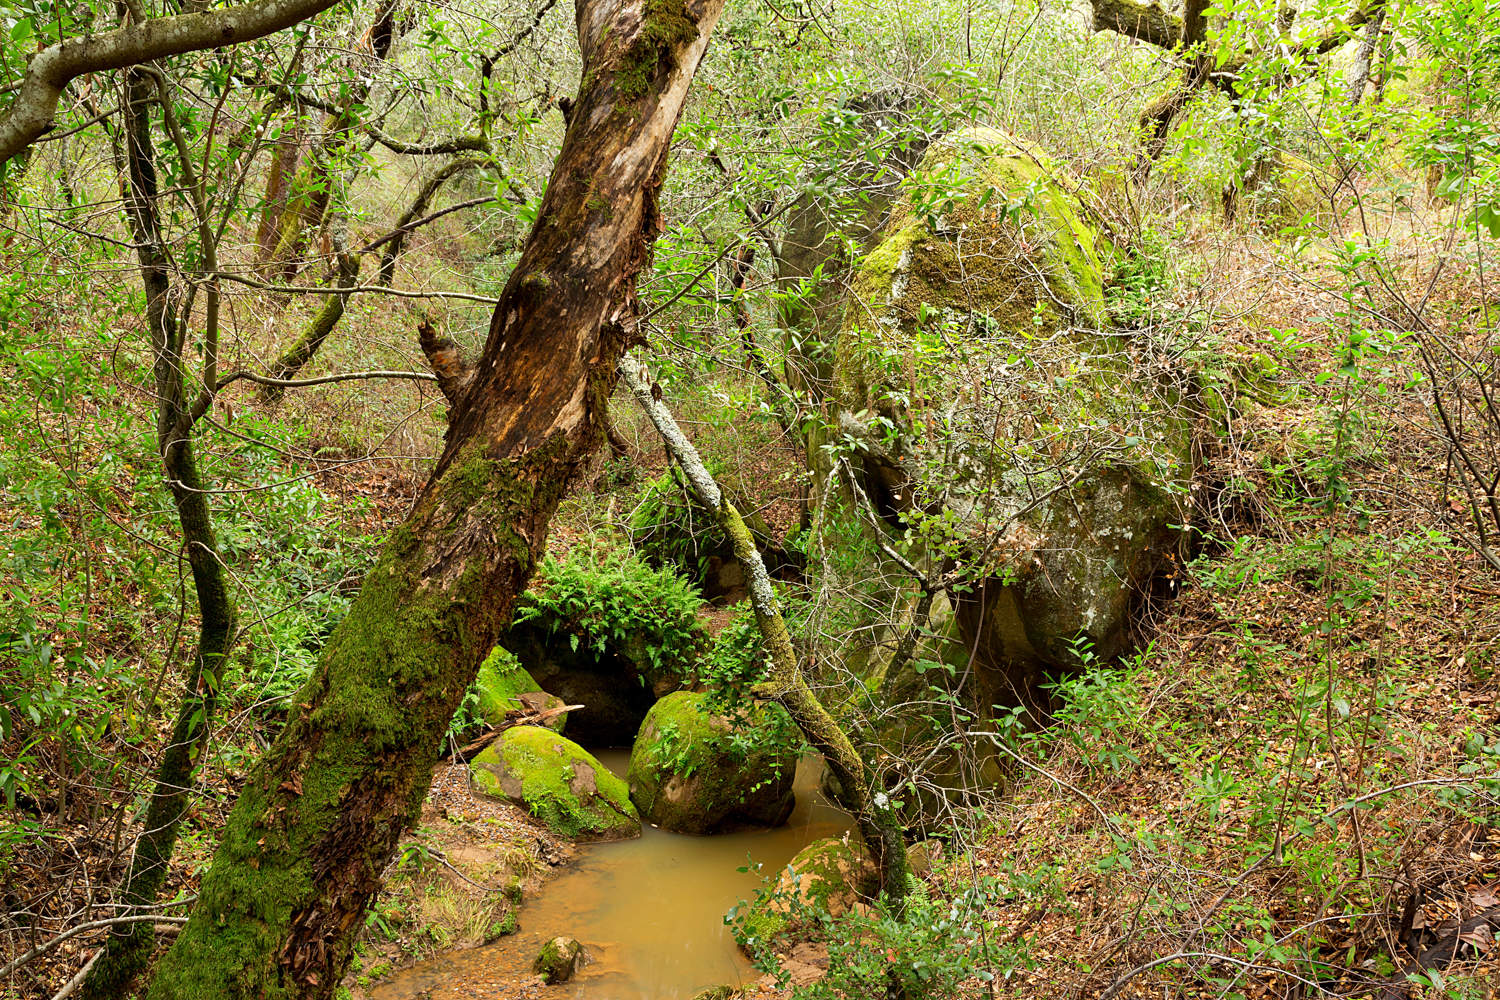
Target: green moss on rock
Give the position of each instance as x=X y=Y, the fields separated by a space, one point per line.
x=558 y=782
x=559 y=959
x=829 y=876
x=694 y=770
x=505 y=686
x=1051 y=446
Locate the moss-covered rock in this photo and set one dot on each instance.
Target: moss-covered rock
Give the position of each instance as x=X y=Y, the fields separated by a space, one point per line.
x=829 y=876
x=695 y=770
x=504 y=686
x=984 y=401
x=559 y=959
x=558 y=782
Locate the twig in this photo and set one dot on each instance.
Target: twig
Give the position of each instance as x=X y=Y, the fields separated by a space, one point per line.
x=404 y=230
x=83 y=974
x=92 y=925
x=474 y=747
x=381 y=289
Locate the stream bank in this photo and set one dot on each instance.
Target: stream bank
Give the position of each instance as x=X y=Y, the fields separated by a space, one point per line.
x=649 y=910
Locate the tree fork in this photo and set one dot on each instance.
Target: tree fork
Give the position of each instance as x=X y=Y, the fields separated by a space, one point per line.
x=786 y=685
x=319 y=818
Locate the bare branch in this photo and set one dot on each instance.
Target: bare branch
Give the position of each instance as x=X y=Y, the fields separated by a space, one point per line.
x=408 y=227
x=305 y=290
x=51 y=70
x=463 y=144
x=298 y=383
x=92 y=925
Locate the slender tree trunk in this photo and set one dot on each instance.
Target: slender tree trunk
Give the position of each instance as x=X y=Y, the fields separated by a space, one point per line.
x=307 y=345
x=307 y=210
x=1360 y=77
x=415 y=211
x=286 y=158
x=128 y=949
x=319 y=818
x=858 y=793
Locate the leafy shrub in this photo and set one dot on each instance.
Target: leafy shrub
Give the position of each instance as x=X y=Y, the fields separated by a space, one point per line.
x=616 y=600
x=927 y=951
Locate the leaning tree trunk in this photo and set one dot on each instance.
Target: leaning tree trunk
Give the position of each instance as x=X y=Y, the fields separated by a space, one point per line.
x=291 y=363
x=858 y=792
x=320 y=816
x=128 y=948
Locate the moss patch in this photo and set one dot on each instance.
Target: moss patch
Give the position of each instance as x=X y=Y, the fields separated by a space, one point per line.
x=503 y=684
x=559 y=783
x=668 y=25
x=828 y=876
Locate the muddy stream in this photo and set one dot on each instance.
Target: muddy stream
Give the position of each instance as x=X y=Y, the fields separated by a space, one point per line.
x=649 y=910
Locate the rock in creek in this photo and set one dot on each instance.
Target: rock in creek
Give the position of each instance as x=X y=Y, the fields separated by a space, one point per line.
x=560 y=959
x=505 y=686
x=558 y=782
x=696 y=770
x=830 y=875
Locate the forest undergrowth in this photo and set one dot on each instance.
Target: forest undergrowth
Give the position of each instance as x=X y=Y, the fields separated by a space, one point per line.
x=1286 y=786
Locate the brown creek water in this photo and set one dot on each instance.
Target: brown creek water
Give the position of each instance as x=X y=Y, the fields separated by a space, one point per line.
x=650 y=911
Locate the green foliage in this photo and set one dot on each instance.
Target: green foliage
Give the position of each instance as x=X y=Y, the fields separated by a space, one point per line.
x=602 y=597
x=926 y=952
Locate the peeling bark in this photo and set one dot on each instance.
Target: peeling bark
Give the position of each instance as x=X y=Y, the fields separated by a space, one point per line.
x=320 y=816
x=446 y=360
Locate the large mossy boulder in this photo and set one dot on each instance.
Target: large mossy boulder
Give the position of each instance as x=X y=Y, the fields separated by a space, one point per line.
x=984 y=400
x=829 y=876
x=504 y=686
x=698 y=769
x=607 y=631
x=559 y=783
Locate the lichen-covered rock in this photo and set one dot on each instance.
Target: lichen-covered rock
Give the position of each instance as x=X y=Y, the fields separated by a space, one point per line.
x=984 y=400
x=505 y=686
x=559 y=960
x=694 y=770
x=558 y=782
x=829 y=876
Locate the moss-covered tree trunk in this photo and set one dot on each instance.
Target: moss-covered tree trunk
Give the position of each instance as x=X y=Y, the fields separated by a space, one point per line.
x=306 y=348
x=320 y=816
x=129 y=947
